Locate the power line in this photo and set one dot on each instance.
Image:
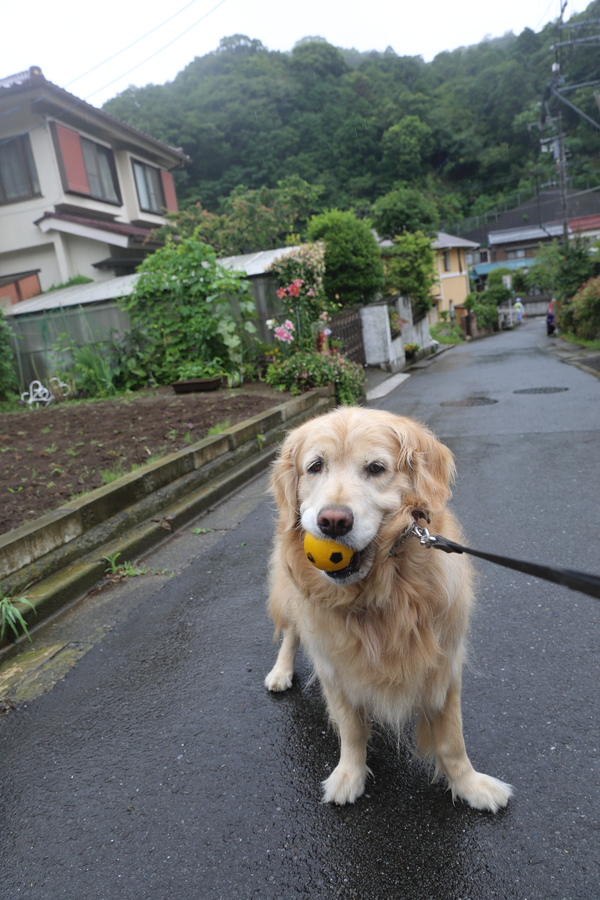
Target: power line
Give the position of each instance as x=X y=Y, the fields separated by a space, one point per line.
x=160 y=50
x=133 y=43
x=123 y=74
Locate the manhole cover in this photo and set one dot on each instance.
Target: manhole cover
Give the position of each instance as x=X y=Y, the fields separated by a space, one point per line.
x=470 y=401
x=542 y=390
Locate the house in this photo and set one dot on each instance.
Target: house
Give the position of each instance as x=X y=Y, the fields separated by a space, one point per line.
x=80 y=191
x=452 y=275
x=512 y=238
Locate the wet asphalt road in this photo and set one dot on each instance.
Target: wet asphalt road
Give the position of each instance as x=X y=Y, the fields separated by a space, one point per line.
x=160 y=768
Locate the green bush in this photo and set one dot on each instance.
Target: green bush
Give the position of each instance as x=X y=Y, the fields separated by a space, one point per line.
x=303 y=371
x=484 y=305
x=584 y=311
x=190 y=309
x=8 y=375
x=353 y=268
x=444 y=333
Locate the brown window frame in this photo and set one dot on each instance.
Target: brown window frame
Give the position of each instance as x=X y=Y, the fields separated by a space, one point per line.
x=59 y=134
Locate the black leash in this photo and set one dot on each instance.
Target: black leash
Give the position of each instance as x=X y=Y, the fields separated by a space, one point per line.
x=577 y=581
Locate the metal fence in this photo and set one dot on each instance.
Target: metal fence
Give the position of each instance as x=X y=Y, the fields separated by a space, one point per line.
x=347 y=328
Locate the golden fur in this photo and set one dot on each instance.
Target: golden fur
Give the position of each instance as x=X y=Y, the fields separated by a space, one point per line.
x=386 y=636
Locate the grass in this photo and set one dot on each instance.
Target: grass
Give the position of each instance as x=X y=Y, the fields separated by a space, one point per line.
x=11 y=617
x=573 y=339
x=446 y=334
x=218 y=428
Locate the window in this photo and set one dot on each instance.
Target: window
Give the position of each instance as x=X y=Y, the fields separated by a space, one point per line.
x=515 y=254
x=18 y=177
x=446 y=260
x=149 y=188
x=99 y=166
x=483 y=256
x=86 y=167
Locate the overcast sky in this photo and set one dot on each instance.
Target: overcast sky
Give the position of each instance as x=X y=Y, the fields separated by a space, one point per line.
x=67 y=38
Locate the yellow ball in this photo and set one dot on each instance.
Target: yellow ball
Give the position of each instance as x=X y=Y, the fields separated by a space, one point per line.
x=327 y=555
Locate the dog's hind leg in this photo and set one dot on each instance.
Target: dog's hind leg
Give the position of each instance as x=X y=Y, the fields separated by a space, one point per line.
x=347 y=781
x=440 y=735
x=281 y=675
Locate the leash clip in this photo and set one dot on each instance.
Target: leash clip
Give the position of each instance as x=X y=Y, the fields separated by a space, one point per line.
x=425 y=538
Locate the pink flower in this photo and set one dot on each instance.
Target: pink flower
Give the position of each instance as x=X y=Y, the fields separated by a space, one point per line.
x=281 y=292
x=289 y=325
x=311 y=293
x=282 y=334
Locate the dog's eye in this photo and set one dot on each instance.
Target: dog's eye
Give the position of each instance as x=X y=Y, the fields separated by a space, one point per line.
x=375 y=468
x=316 y=466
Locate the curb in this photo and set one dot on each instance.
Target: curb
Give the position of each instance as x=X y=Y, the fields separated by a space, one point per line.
x=59 y=557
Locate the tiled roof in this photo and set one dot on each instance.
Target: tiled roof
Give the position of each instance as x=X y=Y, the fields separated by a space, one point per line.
x=34 y=77
x=445 y=241
x=101 y=224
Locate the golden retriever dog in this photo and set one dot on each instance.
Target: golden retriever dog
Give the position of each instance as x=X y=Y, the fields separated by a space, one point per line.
x=386 y=634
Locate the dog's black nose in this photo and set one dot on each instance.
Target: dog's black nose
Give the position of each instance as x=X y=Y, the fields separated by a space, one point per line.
x=335 y=521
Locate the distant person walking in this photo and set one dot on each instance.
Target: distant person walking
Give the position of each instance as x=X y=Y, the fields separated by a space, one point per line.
x=519 y=310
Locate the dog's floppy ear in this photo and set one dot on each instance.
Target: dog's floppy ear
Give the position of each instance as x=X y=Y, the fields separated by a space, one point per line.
x=429 y=464
x=284 y=483
x=433 y=470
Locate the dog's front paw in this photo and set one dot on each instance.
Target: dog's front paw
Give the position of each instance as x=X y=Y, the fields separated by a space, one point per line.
x=344 y=785
x=482 y=791
x=279 y=679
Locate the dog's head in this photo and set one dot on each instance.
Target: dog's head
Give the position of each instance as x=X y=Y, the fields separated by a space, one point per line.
x=358 y=476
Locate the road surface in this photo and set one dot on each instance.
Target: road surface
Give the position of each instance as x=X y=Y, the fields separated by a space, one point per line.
x=159 y=768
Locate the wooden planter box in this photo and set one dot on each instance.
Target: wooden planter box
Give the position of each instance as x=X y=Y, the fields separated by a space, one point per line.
x=192 y=385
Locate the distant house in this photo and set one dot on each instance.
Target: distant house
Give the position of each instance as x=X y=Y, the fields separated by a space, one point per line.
x=511 y=239
x=452 y=276
x=80 y=191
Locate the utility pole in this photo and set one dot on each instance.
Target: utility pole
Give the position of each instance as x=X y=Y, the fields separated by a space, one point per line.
x=561 y=155
x=557 y=89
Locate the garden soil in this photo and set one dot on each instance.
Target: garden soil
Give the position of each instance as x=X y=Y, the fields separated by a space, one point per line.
x=52 y=454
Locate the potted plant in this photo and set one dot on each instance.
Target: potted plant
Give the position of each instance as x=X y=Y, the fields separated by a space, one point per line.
x=411 y=350
x=199 y=376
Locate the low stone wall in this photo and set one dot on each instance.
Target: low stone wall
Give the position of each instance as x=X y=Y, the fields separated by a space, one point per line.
x=380 y=349
x=60 y=538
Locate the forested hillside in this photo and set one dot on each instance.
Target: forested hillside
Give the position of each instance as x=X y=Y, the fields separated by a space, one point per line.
x=465 y=129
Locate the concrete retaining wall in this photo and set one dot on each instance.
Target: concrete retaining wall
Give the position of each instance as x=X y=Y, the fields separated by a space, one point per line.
x=183 y=482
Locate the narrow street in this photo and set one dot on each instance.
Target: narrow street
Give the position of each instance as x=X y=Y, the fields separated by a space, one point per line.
x=159 y=768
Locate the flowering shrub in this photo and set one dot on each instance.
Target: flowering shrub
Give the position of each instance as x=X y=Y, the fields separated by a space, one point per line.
x=305 y=264
x=299 y=275
x=304 y=371
x=584 y=311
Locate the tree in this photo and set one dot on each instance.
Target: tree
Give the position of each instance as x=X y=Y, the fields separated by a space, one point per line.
x=358 y=122
x=409 y=269
x=405 y=209
x=406 y=147
x=250 y=220
x=353 y=268
x=561 y=270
